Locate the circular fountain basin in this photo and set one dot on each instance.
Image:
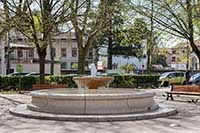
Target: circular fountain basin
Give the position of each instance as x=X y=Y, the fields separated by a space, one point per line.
x=93 y=82
x=92 y=102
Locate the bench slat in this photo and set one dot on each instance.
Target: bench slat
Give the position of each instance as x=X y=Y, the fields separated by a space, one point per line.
x=183 y=90
x=186 y=88
x=184 y=93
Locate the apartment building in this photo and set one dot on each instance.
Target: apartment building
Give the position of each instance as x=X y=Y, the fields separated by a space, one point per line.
x=181 y=56
x=23 y=53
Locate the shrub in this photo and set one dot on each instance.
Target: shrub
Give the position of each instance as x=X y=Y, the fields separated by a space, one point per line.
x=128 y=68
x=122 y=81
x=61 y=80
x=26 y=82
x=13 y=82
x=146 y=80
x=136 y=81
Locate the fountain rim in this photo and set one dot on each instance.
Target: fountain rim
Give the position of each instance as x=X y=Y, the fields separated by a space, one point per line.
x=52 y=94
x=91 y=77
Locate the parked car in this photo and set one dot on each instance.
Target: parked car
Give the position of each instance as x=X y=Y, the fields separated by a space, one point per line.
x=170 y=78
x=35 y=74
x=18 y=74
x=195 y=79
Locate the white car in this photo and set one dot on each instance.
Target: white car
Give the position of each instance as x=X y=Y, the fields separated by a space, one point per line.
x=35 y=74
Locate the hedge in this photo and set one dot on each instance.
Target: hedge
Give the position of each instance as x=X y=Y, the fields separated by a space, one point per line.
x=136 y=81
x=61 y=80
x=123 y=81
x=119 y=81
x=17 y=82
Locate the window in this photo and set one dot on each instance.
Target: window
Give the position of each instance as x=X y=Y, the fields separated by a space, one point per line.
x=20 y=53
x=63 y=52
x=31 y=53
x=173 y=51
x=20 y=39
x=74 y=65
x=179 y=74
x=12 y=56
x=172 y=75
x=74 y=52
x=63 y=39
x=54 y=52
x=173 y=59
x=63 y=65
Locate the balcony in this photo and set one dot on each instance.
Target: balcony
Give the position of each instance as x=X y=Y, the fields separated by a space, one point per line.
x=21 y=60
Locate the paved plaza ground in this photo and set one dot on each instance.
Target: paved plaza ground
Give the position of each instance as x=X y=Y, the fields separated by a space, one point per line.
x=186 y=121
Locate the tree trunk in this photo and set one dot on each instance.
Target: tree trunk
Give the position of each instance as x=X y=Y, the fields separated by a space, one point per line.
x=109 y=58
x=148 y=61
x=110 y=45
x=150 y=39
x=191 y=30
x=82 y=54
x=52 y=59
x=8 y=53
x=195 y=49
x=42 y=56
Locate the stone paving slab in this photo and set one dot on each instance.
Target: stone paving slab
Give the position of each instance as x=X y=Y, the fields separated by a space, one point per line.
x=186 y=121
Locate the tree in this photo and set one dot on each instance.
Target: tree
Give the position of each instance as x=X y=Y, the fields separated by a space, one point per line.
x=87 y=23
x=114 y=17
x=6 y=26
x=160 y=59
x=175 y=17
x=38 y=21
x=129 y=39
x=150 y=38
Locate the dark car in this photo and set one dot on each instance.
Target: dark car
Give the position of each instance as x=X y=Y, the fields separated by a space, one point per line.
x=17 y=74
x=195 y=79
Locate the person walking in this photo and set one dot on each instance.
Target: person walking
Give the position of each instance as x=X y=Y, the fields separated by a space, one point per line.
x=187 y=77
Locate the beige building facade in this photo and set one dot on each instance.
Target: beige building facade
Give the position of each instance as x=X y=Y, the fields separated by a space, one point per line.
x=181 y=56
x=24 y=53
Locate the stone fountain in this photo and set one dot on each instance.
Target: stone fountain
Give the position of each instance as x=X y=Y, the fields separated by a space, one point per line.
x=93 y=81
x=92 y=101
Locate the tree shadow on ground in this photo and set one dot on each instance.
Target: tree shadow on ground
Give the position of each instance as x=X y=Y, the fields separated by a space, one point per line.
x=15 y=102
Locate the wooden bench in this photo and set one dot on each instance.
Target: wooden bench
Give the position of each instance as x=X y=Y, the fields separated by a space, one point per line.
x=193 y=90
x=48 y=86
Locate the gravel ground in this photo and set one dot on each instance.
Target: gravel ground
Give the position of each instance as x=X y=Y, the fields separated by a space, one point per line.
x=186 y=121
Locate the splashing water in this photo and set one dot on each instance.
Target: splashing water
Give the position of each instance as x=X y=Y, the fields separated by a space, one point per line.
x=93 y=70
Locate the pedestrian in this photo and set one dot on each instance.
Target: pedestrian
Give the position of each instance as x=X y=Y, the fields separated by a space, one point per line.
x=187 y=77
